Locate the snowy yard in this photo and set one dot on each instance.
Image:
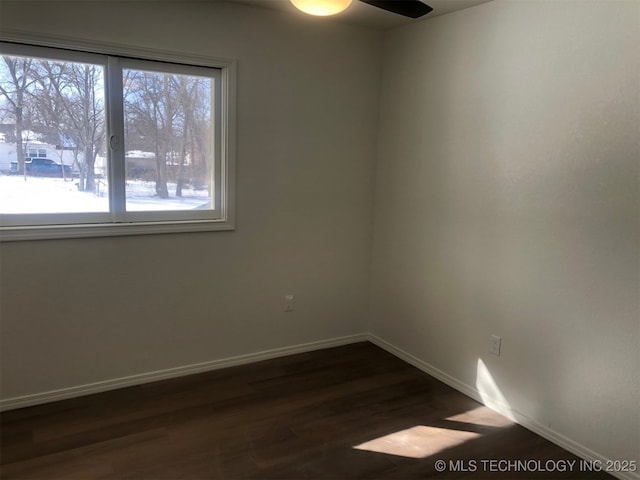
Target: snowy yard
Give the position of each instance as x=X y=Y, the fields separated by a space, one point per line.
x=55 y=195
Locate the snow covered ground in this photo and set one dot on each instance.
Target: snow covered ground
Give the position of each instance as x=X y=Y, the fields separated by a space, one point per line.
x=55 y=195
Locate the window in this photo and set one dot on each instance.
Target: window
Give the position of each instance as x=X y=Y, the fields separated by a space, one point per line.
x=138 y=145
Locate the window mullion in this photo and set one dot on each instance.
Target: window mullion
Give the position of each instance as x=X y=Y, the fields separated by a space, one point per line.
x=115 y=138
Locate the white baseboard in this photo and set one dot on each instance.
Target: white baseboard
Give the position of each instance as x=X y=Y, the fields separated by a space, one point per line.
x=103 y=386
x=495 y=404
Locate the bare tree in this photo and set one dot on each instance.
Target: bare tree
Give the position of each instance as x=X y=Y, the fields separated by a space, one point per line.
x=150 y=106
x=194 y=126
x=71 y=100
x=185 y=102
x=49 y=109
x=16 y=77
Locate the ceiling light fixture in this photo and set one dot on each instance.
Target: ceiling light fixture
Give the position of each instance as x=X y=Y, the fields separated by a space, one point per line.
x=321 y=8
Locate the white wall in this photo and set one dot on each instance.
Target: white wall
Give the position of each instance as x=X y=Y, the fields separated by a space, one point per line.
x=75 y=312
x=507 y=202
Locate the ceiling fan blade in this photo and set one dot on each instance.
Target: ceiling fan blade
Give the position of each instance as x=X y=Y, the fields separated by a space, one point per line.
x=408 y=8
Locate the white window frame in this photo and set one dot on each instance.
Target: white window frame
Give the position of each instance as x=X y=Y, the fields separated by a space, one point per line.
x=118 y=222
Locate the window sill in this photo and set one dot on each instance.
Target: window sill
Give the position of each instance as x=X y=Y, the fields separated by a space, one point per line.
x=50 y=232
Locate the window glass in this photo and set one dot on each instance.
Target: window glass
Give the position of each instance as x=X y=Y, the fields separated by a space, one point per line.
x=49 y=102
x=168 y=141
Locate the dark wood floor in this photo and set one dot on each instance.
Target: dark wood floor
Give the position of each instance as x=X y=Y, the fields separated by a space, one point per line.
x=341 y=413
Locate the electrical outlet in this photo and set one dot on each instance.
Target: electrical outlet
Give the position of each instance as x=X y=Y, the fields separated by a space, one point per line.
x=496 y=343
x=288 y=303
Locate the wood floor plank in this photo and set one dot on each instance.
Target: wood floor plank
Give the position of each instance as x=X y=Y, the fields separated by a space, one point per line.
x=347 y=412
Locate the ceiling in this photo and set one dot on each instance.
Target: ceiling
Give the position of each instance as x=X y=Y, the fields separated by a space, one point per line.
x=364 y=15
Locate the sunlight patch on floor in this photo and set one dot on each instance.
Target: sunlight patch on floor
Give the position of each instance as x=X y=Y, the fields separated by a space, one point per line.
x=483 y=417
x=423 y=441
x=417 y=442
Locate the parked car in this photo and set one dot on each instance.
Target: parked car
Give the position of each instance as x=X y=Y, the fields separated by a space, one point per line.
x=42 y=166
